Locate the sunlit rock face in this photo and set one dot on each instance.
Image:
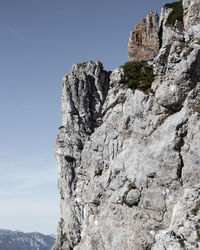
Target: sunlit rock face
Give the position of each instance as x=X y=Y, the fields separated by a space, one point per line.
x=144 y=39
x=191 y=13
x=129 y=161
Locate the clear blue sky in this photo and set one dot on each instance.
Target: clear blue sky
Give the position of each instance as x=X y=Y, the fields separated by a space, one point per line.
x=40 y=40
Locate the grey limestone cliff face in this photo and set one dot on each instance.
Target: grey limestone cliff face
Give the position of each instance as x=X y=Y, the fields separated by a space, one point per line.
x=129 y=162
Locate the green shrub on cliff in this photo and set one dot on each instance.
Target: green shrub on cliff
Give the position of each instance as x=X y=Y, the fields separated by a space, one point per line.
x=137 y=75
x=176 y=13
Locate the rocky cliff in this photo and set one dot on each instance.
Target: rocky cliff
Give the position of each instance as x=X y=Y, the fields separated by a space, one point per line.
x=144 y=39
x=129 y=162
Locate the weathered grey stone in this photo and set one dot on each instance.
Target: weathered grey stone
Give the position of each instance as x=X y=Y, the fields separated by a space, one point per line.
x=129 y=161
x=191 y=13
x=183 y=231
x=168 y=33
x=133 y=197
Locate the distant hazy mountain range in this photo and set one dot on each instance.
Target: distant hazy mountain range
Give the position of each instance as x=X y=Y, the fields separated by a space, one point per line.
x=16 y=240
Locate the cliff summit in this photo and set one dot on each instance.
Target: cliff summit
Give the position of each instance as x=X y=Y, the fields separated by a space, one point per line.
x=144 y=39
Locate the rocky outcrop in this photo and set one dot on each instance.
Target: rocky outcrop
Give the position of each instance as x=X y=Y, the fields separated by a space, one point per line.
x=84 y=91
x=169 y=33
x=192 y=19
x=191 y=13
x=129 y=161
x=144 y=39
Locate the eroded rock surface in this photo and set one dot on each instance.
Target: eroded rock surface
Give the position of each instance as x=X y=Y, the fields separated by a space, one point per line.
x=191 y=13
x=144 y=39
x=129 y=161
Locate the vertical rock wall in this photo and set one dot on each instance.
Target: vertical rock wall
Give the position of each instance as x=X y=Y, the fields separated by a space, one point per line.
x=144 y=39
x=191 y=13
x=129 y=162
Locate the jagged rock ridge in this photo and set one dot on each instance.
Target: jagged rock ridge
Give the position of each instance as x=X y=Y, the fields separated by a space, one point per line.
x=144 y=39
x=129 y=161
